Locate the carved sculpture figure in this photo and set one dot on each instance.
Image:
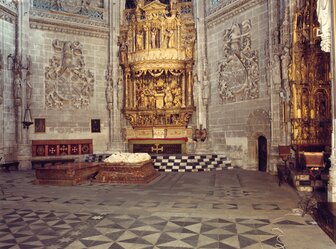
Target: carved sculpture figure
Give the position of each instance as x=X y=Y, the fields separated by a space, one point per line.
x=170 y=38
x=58 y=4
x=276 y=76
x=154 y=32
x=139 y=41
x=168 y=98
x=324 y=18
x=85 y=4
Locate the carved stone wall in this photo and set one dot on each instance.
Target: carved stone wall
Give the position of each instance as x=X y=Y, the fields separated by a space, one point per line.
x=7 y=118
x=237 y=75
x=69 y=85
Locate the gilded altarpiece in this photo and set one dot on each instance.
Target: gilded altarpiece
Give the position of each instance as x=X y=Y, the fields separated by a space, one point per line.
x=310 y=82
x=156 y=56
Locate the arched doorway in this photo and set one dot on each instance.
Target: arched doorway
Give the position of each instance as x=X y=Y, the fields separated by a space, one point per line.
x=262 y=153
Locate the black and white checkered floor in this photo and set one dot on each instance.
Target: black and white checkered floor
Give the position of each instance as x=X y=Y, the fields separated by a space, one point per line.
x=219 y=209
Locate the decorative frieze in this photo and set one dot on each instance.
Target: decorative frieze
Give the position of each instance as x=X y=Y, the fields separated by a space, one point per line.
x=70 y=24
x=79 y=7
x=238 y=71
x=67 y=81
x=227 y=10
x=8 y=11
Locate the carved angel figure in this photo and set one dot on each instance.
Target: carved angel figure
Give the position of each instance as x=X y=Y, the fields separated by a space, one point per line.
x=324 y=18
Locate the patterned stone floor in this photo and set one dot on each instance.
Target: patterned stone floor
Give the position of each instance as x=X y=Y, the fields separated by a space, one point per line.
x=220 y=209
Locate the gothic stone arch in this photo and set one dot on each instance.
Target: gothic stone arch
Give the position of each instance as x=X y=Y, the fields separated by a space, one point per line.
x=258 y=124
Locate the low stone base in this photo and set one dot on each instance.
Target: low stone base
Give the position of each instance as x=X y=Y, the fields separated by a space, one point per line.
x=65 y=174
x=121 y=173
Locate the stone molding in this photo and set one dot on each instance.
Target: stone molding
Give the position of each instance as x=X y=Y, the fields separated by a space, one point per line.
x=225 y=11
x=69 y=24
x=7 y=12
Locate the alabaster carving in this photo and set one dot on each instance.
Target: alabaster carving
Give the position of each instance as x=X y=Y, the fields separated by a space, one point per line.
x=324 y=18
x=67 y=81
x=238 y=71
x=128 y=158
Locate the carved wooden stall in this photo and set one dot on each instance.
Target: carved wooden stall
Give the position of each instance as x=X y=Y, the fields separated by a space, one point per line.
x=310 y=85
x=156 y=56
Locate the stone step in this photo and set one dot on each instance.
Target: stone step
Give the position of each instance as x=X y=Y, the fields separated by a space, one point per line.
x=180 y=163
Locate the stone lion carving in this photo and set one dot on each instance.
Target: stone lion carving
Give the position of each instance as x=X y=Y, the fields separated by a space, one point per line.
x=68 y=83
x=238 y=72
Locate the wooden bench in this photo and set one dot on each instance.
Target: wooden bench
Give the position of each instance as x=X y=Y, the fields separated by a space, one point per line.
x=54 y=161
x=8 y=165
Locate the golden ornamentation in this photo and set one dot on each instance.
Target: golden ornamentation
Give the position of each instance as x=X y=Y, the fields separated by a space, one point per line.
x=157 y=64
x=309 y=76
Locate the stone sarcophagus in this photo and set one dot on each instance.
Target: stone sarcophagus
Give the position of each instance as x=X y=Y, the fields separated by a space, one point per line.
x=66 y=174
x=125 y=168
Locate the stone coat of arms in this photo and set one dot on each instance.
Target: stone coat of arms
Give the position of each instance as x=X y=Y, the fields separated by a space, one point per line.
x=68 y=83
x=238 y=72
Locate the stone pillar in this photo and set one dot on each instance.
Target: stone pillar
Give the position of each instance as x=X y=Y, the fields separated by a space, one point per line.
x=274 y=82
x=115 y=15
x=22 y=84
x=2 y=82
x=201 y=78
x=332 y=171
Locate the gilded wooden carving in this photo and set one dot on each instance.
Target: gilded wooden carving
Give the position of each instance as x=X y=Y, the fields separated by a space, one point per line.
x=67 y=81
x=310 y=81
x=156 y=56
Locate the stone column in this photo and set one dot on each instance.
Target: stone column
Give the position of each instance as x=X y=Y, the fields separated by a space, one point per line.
x=332 y=171
x=201 y=78
x=22 y=84
x=2 y=82
x=275 y=82
x=115 y=15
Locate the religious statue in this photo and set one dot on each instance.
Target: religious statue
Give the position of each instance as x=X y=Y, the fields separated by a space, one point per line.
x=139 y=41
x=57 y=4
x=324 y=18
x=170 y=38
x=168 y=98
x=154 y=32
x=123 y=53
x=85 y=4
x=276 y=76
